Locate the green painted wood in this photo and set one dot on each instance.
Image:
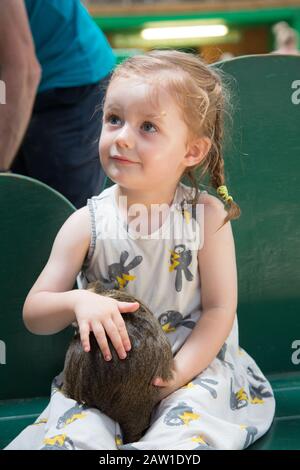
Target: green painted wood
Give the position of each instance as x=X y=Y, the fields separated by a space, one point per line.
x=283 y=435
x=286 y=387
x=262 y=164
x=31 y=214
x=111 y=23
x=15 y=415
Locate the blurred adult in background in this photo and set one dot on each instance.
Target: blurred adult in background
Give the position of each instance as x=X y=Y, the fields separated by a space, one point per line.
x=285 y=39
x=55 y=63
x=226 y=56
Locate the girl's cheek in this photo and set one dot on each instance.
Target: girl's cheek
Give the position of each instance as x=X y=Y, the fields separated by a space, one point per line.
x=103 y=145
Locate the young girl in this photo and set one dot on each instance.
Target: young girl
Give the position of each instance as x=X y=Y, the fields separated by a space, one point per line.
x=163 y=118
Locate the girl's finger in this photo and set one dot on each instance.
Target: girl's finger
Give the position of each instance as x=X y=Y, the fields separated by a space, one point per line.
x=121 y=327
x=84 y=331
x=126 y=307
x=158 y=382
x=101 y=338
x=113 y=333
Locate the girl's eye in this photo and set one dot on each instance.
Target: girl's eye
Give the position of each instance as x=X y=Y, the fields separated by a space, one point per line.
x=149 y=127
x=113 y=119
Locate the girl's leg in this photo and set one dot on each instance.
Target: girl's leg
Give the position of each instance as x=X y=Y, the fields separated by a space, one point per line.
x=73 y=426
x=215 y=411
x=66 y=425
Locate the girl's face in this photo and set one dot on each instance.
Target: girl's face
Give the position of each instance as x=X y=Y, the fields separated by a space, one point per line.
x=143 y=141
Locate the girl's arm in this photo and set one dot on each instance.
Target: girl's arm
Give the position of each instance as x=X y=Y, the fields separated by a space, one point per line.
x=49 y=306
x=218 y=275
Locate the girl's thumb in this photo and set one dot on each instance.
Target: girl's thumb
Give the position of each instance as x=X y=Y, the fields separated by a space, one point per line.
x=128 y=306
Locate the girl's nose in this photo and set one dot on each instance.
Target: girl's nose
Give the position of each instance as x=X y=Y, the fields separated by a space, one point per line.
x=125 y=138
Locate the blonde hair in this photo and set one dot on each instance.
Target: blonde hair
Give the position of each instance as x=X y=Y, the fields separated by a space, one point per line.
x=200 y=94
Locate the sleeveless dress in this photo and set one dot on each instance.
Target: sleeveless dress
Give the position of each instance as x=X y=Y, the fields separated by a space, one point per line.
x=227 y=406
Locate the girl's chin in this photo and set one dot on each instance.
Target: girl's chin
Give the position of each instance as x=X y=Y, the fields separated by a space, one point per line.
x=117 y=175
x=127 y=183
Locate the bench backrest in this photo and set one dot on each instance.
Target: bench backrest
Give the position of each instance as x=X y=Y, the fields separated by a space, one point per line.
x=263 y=167
x=31 y=214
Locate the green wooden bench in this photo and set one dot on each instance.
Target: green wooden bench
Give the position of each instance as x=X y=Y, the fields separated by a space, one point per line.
x=262 y=164
x=31 y=214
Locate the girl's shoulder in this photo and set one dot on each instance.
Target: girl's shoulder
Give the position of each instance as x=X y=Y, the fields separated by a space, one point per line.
x=213 y=212
x=80 y=215
x=203 y=198
x=211 y=201
x=214 y=215
x=78 y=226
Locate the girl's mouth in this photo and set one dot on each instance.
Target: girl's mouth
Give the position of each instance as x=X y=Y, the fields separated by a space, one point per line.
x=123 y=160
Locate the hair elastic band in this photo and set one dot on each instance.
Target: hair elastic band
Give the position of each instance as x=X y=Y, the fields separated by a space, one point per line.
x=223 y=193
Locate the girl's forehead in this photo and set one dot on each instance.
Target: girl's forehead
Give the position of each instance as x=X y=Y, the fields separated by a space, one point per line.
x=138 y=92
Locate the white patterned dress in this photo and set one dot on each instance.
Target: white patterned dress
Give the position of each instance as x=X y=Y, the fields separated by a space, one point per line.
x=228 y=406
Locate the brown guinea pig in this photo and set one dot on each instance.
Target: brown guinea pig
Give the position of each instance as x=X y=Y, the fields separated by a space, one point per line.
x=121 y=389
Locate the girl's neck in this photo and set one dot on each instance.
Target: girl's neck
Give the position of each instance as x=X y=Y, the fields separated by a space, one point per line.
x=153 y=216
x=165 y=196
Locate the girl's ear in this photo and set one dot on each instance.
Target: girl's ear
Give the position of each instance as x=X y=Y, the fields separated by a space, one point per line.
x=197 y=151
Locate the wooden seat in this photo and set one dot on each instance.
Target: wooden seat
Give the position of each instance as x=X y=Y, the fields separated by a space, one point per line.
x=31 y=214
x=263 y=167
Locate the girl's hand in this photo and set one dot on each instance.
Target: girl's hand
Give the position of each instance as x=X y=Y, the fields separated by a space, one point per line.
x=102 y=315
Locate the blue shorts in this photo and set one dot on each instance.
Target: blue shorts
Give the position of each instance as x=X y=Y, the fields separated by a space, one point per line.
x=60 y=147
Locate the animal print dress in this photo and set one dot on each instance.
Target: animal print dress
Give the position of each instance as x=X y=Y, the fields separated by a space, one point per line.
x=228 y=406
